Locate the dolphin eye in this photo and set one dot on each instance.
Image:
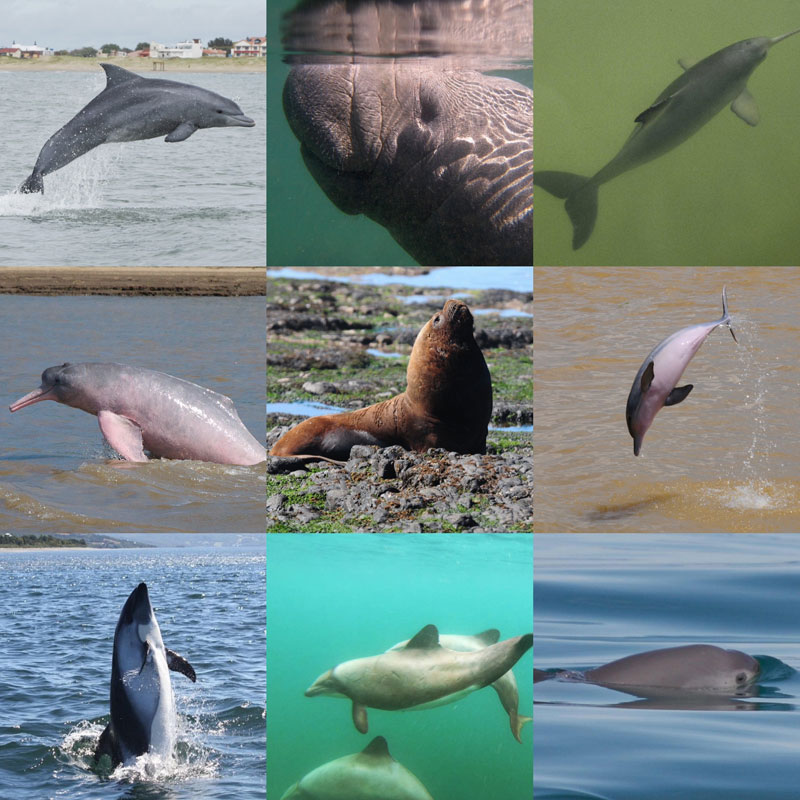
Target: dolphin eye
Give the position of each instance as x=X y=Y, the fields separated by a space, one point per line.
x=741 y=677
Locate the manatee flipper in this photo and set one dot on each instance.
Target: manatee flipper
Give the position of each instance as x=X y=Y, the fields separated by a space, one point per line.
x=678 y=394
x=360 y=717
x=580 y=194
x=122 y=434
x=178 y=663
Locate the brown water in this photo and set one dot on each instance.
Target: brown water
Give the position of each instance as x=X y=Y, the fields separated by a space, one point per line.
x=725 y=459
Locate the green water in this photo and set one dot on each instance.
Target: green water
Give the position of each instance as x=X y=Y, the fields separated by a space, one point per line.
x=728 y=195
x=333 y=597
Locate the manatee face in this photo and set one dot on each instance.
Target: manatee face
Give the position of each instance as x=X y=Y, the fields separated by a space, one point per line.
x=442 y=158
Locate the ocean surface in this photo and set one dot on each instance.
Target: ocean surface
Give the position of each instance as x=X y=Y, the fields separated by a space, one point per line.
x=725 y=459
x=198 y=202
x=601 y=597
x=56 y=472
x=725 y=196
x=334 y=597
x=56 y=637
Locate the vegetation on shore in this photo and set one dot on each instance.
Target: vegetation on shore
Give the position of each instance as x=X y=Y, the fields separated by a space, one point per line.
x=45 y=540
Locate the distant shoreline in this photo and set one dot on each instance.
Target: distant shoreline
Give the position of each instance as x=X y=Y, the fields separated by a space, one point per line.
x=148 y=281
x=136 y=64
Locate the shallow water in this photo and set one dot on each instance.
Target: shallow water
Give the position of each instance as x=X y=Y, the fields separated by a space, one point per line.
x=724 y=459
x=360 y=596
x=56 y=472
x=726 y=195
x=598 y=598
x=146 y=203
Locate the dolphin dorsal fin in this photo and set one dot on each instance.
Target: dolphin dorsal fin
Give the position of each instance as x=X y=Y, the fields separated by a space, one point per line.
x=116 y=76
x=744 y=106
x=686 y=63
x=487 y=637
x=426 y=639
x=377 y=747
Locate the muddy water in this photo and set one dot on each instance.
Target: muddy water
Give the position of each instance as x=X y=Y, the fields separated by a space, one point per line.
x=725 y=459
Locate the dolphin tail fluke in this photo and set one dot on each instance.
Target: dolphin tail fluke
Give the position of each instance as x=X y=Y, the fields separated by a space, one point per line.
x=726 y=317
x=34 y=184
x=580 y=194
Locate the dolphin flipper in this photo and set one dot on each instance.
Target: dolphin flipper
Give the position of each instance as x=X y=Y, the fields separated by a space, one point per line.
x=178 y=663
x=182 y=132
x=122 y=434
x=744 y=106
x=581 y=200
x=360 y=717
x=678 y=395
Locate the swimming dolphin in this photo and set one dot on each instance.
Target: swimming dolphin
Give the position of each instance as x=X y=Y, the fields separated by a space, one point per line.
x=687 y=104
x=505 y=685
x=140 y=409
x=655 y=383
x=142 y=705
x=421 y=675
x=372 y=773
x=132 y=108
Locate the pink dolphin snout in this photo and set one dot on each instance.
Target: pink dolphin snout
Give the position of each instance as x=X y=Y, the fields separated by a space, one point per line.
x=36 y=396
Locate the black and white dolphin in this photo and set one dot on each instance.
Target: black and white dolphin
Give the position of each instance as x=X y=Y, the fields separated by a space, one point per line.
x=142 y=705
x=132 y=108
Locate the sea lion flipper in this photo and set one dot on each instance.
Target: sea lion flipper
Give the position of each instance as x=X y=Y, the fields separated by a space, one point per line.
x=360 y=717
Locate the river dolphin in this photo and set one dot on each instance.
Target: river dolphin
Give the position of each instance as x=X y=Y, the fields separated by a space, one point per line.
x=422 y=674
x=687 y=104
x=132 y=108
x=372 y=773
x=655 y=383
x=505 y=685
x=140 y=409
x=142 y=705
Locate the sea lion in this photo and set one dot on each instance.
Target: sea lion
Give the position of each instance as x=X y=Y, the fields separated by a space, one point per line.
x=447 y=403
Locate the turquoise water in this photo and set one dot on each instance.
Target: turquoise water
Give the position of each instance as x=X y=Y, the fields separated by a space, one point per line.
x=333 y=597
x=600 y=597
x=725 y=196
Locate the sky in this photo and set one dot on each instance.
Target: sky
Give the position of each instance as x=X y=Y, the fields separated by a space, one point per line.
x=93 y=23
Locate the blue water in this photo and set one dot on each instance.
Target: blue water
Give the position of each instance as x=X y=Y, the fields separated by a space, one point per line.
x=60 y=609
x=600 y=597
x=333 y=597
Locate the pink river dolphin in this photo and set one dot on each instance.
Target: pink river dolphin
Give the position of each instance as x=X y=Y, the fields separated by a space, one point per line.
x=655 y=383
x=141 y=409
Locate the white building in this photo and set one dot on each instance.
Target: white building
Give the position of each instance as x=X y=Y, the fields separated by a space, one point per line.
x=251 y=46
x=191 y=48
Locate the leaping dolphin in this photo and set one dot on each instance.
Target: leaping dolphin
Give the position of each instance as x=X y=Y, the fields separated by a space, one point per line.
x=132 y=108
x=142 y=705
x=422 y=674
x=655 y=383
x=372 y=773
x=140 y=409
x=687 y=104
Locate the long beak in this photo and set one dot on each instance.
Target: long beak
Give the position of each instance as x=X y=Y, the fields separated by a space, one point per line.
x=781 y=38
x=36 y=396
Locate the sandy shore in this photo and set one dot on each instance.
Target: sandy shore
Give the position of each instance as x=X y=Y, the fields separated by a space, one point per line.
x=184 y=281
x=144 y=65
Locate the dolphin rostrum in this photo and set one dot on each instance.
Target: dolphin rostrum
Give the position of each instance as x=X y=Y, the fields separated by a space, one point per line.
x=422 y=674
x=140 y=409
x=505 y=685
x=687 y=104
x=655 y=383
x=372 y=773
x=130 y=108
x=142 y=705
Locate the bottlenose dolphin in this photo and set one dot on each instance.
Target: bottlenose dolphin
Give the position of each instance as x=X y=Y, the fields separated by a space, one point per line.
x=655 y=383
x=132 y=108
x=142 y=705
x=140 y=409
x=505 y=685
x=687 y=104
x=421 y=675
x=372 y=773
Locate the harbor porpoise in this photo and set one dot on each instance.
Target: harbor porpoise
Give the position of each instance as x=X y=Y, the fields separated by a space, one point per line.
x=131 y=108
x=655 y=383
x=685 y=106
x=423 y=674
x=372 y=773
x=140 y=409
x=142 y=705
x=505 y=685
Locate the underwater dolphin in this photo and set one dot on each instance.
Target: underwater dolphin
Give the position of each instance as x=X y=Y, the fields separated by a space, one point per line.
x=422 y=674
x=142 y=705
x=130 y=108
x=687 y=104
x=655 y=383
x=372 y=773
x=140 y=409
x=505 y=685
